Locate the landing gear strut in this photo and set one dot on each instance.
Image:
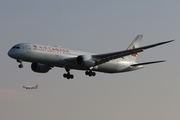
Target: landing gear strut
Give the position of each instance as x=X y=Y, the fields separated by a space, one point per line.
x=68 y=75
x=20 y=65
x=90 y=73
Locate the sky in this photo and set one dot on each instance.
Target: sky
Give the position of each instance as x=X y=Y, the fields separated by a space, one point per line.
x=97 y=26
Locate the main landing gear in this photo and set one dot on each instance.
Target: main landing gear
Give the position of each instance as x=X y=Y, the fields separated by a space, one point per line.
x=71 y=76
x=68 y=75
x=90 y=73
x=20 y=65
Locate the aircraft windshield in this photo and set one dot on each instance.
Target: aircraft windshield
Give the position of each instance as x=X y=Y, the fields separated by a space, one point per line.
x=16 y=47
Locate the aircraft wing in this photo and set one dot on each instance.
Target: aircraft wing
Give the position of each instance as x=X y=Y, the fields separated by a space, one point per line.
x=102 y=58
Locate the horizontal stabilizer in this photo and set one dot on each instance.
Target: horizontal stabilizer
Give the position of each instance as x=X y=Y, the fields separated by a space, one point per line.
x=146 y=63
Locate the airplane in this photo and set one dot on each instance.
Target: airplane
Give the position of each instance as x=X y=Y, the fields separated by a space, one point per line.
x=44 y=58
x=30 y=87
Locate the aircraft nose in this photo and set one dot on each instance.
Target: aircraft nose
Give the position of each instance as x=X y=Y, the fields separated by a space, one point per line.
x=10 y=53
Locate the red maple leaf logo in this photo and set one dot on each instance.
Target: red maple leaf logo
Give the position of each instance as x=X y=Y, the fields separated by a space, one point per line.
x=34 y=46
x=135 y=54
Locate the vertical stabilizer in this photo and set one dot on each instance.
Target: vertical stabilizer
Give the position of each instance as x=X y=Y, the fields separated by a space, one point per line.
x=135 y=44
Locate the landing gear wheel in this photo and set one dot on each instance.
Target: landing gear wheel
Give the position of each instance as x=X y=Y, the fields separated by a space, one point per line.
x=90 y=73
x=87 y=73
x=93 y=74
x=20 y=61
x=20 y=66
x=68 y=76
x=65 y=75
x=71 y=76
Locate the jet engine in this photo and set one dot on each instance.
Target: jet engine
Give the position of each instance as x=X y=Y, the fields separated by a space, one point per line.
x=40 y=68
x=85 y=60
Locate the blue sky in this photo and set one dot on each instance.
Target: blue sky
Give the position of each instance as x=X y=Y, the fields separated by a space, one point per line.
x=94 y=26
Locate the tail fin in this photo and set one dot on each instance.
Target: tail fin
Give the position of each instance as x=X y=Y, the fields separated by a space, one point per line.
x=135 y=44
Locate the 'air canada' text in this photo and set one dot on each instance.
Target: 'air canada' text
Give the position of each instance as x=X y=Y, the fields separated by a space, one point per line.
x=49 y=49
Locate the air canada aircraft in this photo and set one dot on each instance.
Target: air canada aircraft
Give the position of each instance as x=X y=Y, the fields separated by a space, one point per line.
x=30 y=87
x=44 y=58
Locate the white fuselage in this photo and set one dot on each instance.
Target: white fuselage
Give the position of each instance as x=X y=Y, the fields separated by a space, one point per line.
x=57 y=57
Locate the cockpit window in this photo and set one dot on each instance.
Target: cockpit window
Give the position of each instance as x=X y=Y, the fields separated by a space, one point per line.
x=16 y=47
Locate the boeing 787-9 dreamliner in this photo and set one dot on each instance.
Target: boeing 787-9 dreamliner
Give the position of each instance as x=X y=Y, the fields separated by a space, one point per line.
x=30 y=87
x=44 y=58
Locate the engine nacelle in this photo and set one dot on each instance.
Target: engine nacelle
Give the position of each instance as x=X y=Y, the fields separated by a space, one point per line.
x=40 y=68
x=85 y=60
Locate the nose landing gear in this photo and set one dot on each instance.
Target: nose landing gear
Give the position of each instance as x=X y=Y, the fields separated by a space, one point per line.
x=20 y=65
